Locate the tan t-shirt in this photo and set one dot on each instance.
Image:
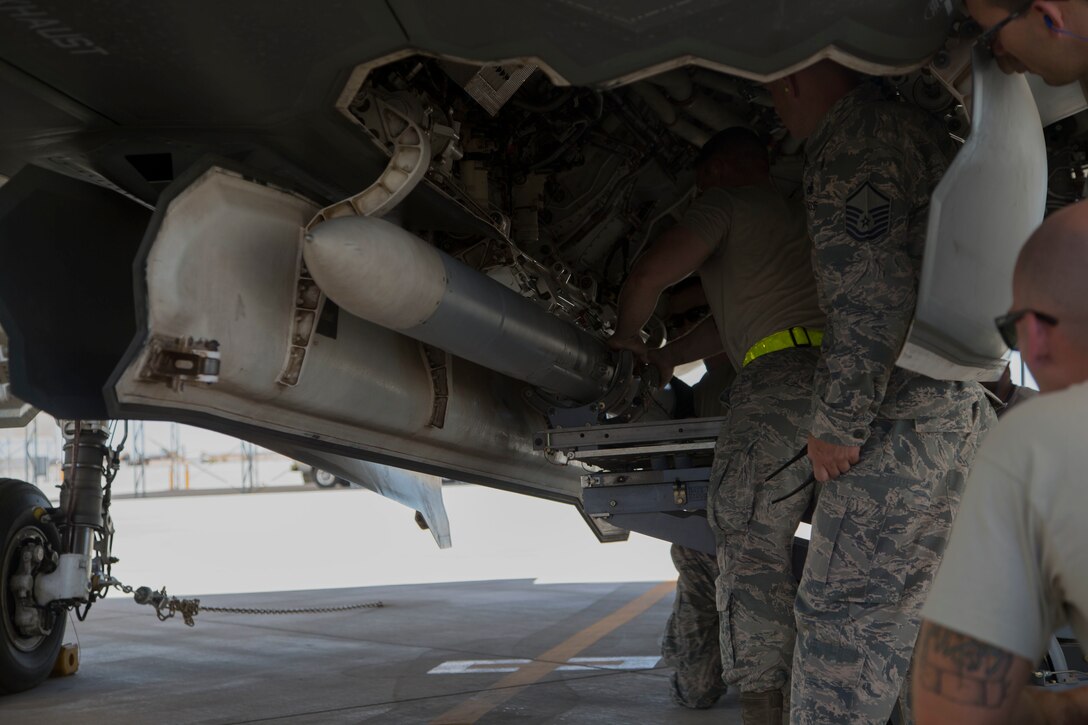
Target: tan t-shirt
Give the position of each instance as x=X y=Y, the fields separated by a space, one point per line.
x=708 y=391
x=1015 y=567
x=759 y=279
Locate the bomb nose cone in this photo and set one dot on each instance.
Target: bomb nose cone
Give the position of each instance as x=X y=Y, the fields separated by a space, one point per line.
x=376 y=270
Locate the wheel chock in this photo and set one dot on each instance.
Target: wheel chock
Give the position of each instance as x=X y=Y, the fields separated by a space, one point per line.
x=67 y=661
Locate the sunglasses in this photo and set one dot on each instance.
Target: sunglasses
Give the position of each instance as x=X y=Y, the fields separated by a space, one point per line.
x=987 y=38
x=1006 y=324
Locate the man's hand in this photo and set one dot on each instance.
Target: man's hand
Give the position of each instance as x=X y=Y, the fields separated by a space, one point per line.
x=661 y=360
x=672 y=257
x=633 y=343
x=830 y=460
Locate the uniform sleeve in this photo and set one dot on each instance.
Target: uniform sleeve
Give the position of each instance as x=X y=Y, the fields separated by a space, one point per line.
x=709 y=217
x=860 y=209
x=991 y=585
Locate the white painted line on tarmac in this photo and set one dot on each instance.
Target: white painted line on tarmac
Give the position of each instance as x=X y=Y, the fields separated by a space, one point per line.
x=468 y=667
x=574 y=664
x=609 y=663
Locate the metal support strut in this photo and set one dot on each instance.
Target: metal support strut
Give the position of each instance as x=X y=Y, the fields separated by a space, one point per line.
x=81 y=494
x=83 y=516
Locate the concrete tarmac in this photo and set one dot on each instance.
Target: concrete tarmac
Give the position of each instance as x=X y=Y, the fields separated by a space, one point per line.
x=486 y=652
x=528 y=619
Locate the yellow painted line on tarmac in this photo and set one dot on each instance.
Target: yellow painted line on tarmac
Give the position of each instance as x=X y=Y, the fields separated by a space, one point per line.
x=479 y=705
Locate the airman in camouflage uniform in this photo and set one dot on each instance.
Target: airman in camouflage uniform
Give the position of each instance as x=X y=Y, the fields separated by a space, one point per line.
x=880 y=528
x=690 y=644
x=767 y=420
x=751 y=249
x=1004 y=397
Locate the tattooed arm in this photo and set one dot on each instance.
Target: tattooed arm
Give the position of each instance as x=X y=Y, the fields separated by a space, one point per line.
x=958 y=679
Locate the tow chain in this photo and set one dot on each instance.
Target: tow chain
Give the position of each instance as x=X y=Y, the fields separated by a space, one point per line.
x=166 y=606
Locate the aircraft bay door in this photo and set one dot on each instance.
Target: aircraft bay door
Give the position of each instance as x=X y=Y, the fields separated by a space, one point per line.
x=992 y=197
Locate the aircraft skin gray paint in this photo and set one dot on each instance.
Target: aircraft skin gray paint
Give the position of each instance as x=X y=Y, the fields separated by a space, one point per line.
x=251 y=90
x=268 y=75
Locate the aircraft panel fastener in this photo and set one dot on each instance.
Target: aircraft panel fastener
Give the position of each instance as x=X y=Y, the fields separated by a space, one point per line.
x=176 y=361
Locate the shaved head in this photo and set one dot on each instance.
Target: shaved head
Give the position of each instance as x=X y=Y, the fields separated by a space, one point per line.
x=803 y=98
x=1049 y=282
x=1052 y=269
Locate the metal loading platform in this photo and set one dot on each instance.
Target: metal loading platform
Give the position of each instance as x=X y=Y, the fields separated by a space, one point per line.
x=651 y=478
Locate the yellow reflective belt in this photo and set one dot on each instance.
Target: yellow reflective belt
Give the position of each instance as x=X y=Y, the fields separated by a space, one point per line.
x=785 y=339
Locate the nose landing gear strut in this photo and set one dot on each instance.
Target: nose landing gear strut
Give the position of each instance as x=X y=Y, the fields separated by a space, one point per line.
x=53 y=560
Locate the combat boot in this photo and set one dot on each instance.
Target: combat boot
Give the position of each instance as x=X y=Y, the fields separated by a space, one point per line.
x=761 y=708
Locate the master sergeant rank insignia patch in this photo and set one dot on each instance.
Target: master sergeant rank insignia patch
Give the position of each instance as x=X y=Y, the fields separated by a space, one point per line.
x=868 y=214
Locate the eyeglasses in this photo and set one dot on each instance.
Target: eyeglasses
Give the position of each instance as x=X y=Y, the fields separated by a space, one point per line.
x=1006 y=324
x=987 y=38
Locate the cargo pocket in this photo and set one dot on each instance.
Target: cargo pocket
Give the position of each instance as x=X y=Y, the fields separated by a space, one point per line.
x=953 y=446
x=876 y=543
x=734 y=494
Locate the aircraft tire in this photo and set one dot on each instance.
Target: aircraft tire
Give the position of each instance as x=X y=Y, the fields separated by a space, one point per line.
x=24 y=662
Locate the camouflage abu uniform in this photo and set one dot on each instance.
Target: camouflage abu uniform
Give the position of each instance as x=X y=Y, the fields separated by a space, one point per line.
x=880 y=529
x=1016 y=396
x=690 y=644
x=763 y=277
x=767 y=422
